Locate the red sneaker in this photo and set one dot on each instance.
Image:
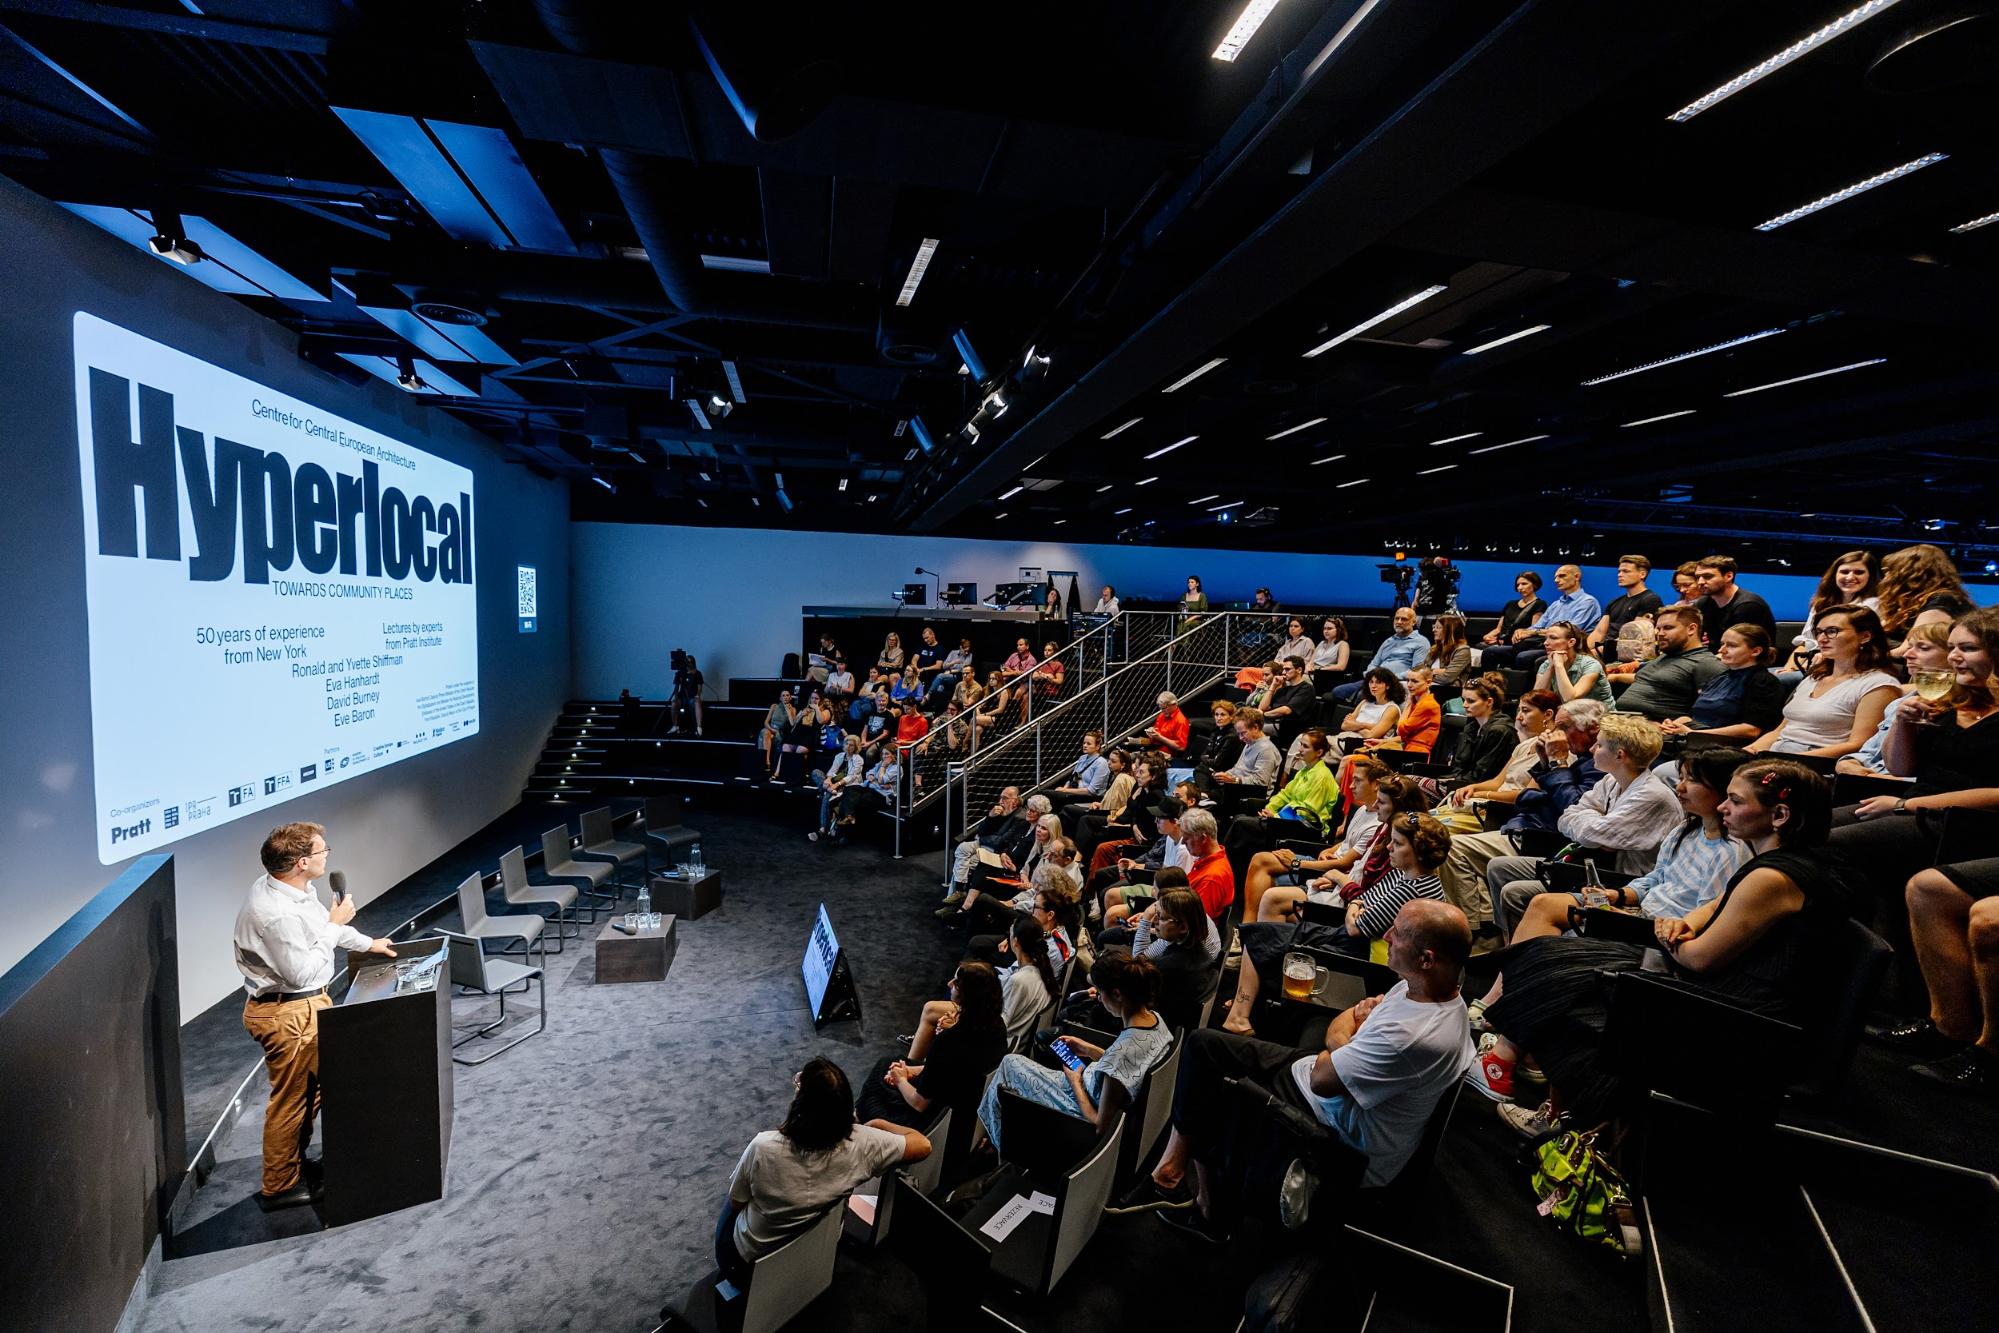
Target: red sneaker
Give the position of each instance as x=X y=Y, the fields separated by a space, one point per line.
x=1492 y=1076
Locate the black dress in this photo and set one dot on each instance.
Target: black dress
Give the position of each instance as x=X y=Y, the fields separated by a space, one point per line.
x=1557 y=1001
x=954 y=1075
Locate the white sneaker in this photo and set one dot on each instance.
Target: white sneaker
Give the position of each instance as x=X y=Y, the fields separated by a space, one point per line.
x=1528 y=1124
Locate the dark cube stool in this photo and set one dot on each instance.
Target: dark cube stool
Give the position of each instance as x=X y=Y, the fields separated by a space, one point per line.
x=689 y=899
x=642 y=957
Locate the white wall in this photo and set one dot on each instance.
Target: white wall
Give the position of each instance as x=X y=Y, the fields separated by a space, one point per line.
x=732 y=596
x=383 y=826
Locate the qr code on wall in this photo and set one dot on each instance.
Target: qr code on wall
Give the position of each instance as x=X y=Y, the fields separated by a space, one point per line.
x=525 y=591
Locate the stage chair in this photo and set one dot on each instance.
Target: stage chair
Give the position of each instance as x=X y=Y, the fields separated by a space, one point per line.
x=558 y=864
x=472 y=970
x=472 y=907
x=1147 y=1116
x=600 y=843
x=790 y=1277
x=664 y=831
x=514 y=887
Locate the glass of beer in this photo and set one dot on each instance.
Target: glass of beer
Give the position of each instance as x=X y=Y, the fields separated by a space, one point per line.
x=1301 y=973
x=1933 y=686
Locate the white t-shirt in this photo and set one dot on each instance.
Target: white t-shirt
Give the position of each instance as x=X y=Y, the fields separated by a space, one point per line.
x=1813 y=722
x=1406 y=1055
x=1024 y=995
x=785 y=1190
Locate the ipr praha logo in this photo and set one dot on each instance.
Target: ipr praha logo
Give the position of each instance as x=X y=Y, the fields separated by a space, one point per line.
x=306 y=515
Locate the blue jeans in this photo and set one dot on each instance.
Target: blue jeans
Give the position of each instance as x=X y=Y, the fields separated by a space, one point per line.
x=1032 y=1082
x=1350 y=691
x=826 y=795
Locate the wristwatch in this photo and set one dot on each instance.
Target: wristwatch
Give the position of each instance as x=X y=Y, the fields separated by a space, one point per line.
x=1901 y=805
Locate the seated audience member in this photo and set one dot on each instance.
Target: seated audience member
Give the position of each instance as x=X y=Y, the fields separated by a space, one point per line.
x=1176 y=935
x=1518 y=614
x=1574 y=607
x=1927 y=648
x=1564 y=771
x=1740 y=702
x=1209 y=875
x=1259 y=763
x=1401 y=650
x=1056 y=909
x=1634 y=601
x=891 y=659
x=952 y=671
x=1450 y=654
x=777 y=725
x=1297 y=643
x=993 y=702
x=1020 y=664
x=788 y=1177
x=1487 y=741
x=1284 y=867
x=1951 y=751
x=1027 y=982
x=923 y=665
x=1106 y=602
x=1852 y=580
x=1350 y=868
x=840 y=680
x=877 y=727
x=1123 y=903
x=1723 y=604
x=1112 y=1076
x=1018 y=877
x=910 y=724
x=958 y=1050
x=1422 y=718
x=1291 y=701
x=802 y=738
x=1532 y=720
x=1137 y=877
x=1049 y=673
x=1051 y=604
x=1388 y=1062
x=877 y=792
x=1001 y=832
x=1566 y=670
x=1667 y=686
x=1218 y=752
x=820 y=661
x=1103 y=831
x=969 y=692
x=1169 y=730
x=1377 y=718
x=1089 y=780
x=1954 y=920
x=1910 y=579
x=1629 y=812
x=1417 y=846
x=1687 y=582
x=1761 y=945
x=1268 y=677
x=1330 y=655
x=1111 y=802
x=954 y=731
x=832 y=780
x=1695 y=862
x=1843 y=695
x=1305 y=807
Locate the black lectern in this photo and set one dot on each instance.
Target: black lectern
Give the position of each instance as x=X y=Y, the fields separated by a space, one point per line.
x=385 y=1075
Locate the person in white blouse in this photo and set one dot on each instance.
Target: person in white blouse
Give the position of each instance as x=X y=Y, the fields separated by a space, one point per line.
x=1106 y=602
x=284 y=940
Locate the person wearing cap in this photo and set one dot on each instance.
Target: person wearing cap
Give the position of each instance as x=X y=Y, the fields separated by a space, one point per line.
x=1128 y=885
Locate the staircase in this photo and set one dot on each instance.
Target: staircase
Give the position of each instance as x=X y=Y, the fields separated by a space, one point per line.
x=599 y=747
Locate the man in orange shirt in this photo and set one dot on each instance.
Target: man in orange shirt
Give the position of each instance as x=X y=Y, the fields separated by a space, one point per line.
x=1210 y=875
x=1169 y=731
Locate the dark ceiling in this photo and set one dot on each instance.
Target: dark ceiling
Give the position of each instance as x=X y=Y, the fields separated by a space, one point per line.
x=614 y=224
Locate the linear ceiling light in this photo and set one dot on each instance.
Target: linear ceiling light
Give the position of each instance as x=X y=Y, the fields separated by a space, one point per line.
x=1683 y=356
x=1120 y=512
x=736 y=387
x=1303 y=425
x=1246 y=24
x=843 y=483
x=1804 y=46
x=1431 y=470
x=1147 y=482
x=918 y=266
x=1204 y=499
x=1663 y=416
x=1357 y=481
x=1194 y=374
x=1800 y=379
x=1216 y=509
x=1106 y=486
x=700 y=416
x=1490 y=448
x=1453 y=439
x=1329 y=458
x=1015 y=491
x=1405 y=303
x=1976 y=223
x=1857 y=188
x=1121 y=429
x=1160 y=453
x=1528 y=332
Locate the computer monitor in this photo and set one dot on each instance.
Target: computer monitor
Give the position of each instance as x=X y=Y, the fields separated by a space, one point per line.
x=915 y=594
x=961 y=594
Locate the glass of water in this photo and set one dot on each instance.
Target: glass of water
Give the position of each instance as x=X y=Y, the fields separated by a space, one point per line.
x=632 y=921
x=653 y=921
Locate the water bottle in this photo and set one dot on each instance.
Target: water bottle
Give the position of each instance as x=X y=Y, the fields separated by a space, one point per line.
x=695 y=868
x=1594 y=894
x=645 y=903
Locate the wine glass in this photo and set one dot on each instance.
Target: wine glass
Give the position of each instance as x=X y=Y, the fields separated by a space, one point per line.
x=1933 y=686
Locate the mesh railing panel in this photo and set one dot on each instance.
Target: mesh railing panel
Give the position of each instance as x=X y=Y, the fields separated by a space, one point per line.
x=1120 y=703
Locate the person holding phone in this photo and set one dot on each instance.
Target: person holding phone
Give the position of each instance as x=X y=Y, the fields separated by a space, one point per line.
x=284 y=941
x=1096 y=1083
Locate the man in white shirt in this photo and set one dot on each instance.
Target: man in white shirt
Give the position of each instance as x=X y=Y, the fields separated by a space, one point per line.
x=285 y=940
x=1387 y=1062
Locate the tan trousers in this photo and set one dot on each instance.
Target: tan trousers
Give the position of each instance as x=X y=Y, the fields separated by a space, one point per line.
x=289 y=1034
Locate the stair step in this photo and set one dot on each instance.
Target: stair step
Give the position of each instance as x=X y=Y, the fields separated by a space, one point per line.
x=1734 y=1263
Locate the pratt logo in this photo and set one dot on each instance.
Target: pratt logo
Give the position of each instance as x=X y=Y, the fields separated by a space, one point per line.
x=240 y=496
x=130 y=831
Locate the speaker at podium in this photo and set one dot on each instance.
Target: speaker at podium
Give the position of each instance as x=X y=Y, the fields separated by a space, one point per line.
x=385 y=1082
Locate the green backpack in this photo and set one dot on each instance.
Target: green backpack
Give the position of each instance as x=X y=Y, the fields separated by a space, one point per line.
x=1583 y=1194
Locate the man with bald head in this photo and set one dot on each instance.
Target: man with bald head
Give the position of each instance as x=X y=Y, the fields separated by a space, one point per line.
x=1573 y=605
x=1402 y=651
x=1387 y=1062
